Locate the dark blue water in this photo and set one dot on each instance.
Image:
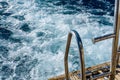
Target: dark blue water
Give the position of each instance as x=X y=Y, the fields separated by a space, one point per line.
x=33 y=35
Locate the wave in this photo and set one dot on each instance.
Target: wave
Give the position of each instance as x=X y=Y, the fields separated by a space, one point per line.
x=33 y=36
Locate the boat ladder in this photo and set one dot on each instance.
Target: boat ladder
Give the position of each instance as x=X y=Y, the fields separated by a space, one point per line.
x=106 y=71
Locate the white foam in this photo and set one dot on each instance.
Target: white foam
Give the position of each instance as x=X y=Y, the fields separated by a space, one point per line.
x=50 y=48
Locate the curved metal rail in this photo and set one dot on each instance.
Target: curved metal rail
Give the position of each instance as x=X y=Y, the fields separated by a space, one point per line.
x=81 y=53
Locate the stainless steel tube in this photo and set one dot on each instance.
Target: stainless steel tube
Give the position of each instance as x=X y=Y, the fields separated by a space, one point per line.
x=103 y=38
x=115 y=40
x=81 y=54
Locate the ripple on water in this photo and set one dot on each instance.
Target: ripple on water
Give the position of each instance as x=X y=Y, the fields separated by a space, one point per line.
x=5 y=33
x=4 y=51
x=6 y=71
x=27 y=50
x=25 y=27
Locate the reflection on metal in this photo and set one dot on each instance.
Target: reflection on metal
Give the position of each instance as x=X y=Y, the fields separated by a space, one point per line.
x=115 y=37
x=81 y=53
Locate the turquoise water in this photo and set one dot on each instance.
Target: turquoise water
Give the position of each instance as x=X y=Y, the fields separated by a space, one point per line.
x=33 y=35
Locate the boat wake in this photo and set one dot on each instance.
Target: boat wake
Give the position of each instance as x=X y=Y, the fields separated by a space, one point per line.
x=33 y=35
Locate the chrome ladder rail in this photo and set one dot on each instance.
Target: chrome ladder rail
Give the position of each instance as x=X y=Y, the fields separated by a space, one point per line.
x=115 y=51
x=81 y=54
x=115 y=37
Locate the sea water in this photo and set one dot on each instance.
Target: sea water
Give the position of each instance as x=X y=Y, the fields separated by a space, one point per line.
x=33 y=36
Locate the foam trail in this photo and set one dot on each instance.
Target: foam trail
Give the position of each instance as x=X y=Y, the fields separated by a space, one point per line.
x=39 y=33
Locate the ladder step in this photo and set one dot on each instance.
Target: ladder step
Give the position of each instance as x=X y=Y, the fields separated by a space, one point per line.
x=101 y=72
x=101 y=75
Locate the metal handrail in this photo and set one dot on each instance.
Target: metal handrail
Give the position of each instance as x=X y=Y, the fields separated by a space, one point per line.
x=81 y=54
x=115 y=37
x=101 y=38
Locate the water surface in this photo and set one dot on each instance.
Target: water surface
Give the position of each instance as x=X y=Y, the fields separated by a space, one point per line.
x=33 y=35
